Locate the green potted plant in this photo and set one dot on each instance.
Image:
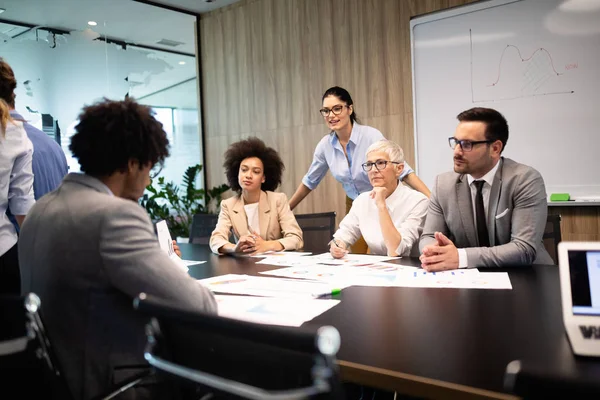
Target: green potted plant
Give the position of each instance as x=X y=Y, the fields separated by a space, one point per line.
x=178 y=205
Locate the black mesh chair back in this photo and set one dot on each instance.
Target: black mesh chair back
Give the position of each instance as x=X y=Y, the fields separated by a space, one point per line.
x=202 y=227
x=234 y=359
x=552 y=236
x=535 y=382
x=28 y=365
x=318 y=230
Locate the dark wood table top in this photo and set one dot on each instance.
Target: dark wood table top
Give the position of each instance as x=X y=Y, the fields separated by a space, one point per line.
x=438 y=342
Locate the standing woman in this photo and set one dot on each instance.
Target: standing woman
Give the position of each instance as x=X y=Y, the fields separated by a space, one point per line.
x=16 y=191
x=261 y=219
x=343 y=151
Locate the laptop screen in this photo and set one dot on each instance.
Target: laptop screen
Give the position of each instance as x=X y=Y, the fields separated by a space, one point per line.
x=584 y=268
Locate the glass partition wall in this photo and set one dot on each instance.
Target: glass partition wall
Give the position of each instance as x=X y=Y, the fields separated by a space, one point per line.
x=70 y=53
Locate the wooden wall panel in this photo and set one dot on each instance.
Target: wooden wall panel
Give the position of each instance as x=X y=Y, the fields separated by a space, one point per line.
x=266 y=64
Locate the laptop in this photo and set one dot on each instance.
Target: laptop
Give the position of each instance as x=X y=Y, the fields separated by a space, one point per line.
x=579 y=264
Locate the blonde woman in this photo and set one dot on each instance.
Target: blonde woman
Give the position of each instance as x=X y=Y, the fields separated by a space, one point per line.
x=16 y=192
x=390 y=216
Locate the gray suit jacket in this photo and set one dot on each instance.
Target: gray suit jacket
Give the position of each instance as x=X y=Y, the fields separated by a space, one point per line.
x=516 y=219
x=87 y=254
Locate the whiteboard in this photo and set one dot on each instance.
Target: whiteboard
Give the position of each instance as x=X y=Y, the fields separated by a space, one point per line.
x=535 y=61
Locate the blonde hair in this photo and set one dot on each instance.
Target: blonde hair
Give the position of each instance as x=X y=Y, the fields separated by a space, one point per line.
x=393 y=150
x=4 y=116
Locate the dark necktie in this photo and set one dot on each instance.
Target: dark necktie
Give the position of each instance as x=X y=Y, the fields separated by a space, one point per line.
x=482 y=231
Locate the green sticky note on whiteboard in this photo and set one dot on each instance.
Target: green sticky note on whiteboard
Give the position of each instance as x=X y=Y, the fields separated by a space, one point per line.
x=560 y=197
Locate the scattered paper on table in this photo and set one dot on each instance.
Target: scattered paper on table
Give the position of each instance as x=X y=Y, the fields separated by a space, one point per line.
x=192 y=262
x=281 y=254
x=271 y=287
x=374 y=274
x=275 y=311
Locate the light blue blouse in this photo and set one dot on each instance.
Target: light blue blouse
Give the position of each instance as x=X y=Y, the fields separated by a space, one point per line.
x=329 y=155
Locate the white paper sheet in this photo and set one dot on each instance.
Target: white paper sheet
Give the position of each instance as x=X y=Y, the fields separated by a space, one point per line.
x=270 y=287
x=275 y=311
x=375 y=274
x=325 y=259
x=166 y=244
x=396 y=275
x=281 y=254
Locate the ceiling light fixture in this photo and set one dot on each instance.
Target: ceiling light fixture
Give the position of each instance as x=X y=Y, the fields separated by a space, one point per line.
x=92 y=23
x=2 y=10
x=181 y=62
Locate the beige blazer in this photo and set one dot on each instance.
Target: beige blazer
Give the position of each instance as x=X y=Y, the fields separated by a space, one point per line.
x=277 y=222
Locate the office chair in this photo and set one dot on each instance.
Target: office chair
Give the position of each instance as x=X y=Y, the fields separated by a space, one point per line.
x=236 y=359
x=318 y=230
x=202 y=227
x=532 y=382
x=28 y=365
x=552 y=236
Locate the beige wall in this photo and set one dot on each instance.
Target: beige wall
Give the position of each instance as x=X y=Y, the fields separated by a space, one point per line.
x=266 y=64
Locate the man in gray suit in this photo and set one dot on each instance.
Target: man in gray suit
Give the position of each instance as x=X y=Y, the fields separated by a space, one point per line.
x=491 y=211
x=87 y=249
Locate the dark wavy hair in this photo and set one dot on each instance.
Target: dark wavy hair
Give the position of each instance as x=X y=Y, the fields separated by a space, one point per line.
x=344 y=96
x=253 y=147
x=111 y=133
x=8 y=83
x=496 y=127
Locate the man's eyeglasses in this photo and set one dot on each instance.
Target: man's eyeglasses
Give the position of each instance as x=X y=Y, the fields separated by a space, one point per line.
x=466 y=145
x=155 y=171
x=336 y=110
x=379 y=165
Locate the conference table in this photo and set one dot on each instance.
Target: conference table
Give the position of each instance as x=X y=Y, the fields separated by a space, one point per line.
x=438 y=343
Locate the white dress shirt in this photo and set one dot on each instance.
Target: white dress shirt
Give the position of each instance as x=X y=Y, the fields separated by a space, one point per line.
x=16 y=180
x=407 y=208
x=485 y=192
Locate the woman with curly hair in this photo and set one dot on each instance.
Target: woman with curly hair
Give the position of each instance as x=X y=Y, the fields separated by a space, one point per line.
x=260 y=218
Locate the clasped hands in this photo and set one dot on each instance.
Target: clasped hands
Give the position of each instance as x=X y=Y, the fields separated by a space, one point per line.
x=441 y=256
x=252 y=243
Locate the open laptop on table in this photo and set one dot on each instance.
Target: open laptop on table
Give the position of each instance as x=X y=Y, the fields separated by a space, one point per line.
x=579 y=264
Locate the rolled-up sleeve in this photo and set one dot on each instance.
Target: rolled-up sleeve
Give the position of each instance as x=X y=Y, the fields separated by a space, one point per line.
x=318 y=168
x=20 y=191
x=406 y=171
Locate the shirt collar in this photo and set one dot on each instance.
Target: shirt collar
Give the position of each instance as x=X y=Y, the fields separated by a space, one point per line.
x=489 y=177
x=391 y=200
x=354 y=135
x=15 y=114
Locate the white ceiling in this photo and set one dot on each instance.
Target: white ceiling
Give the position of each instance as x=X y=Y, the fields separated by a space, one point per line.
x=125 y=20
x=197 y=6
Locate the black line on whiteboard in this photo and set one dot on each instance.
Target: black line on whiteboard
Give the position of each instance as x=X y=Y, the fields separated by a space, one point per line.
x=471 y=42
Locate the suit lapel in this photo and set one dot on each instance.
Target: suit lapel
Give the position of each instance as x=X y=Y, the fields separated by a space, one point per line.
x=493 y=204
x=465 y=208
x=264 y=209
x=239 y=220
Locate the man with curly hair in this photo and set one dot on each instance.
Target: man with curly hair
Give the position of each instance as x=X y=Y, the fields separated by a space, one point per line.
x=261 y=219
x=88 y=249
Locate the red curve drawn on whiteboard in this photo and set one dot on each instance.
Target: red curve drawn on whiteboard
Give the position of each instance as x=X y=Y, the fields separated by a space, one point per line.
x=523 y=60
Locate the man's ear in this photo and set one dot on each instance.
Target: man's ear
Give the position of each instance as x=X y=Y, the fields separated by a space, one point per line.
x=497 y=146
x=133 y=165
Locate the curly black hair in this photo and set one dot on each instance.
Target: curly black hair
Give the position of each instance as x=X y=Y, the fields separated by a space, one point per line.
x=111 y=133
x=253 y=147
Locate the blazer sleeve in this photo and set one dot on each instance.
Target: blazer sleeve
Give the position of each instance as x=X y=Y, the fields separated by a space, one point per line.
x=134 y=262
x=435 y=221
x=527 y=227
x=220 y=236
x=290 y=230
